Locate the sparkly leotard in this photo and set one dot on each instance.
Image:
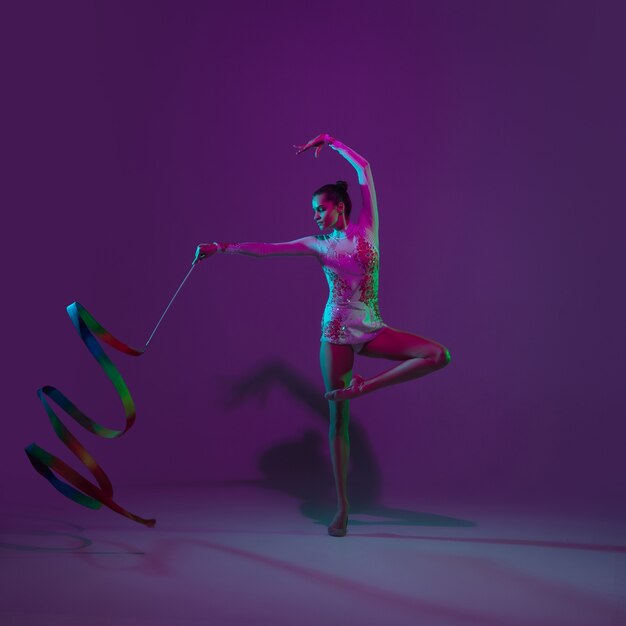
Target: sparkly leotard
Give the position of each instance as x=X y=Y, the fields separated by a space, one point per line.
x=350 y=261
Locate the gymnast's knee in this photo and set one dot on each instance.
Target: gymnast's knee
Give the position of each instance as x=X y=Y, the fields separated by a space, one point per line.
x=442 y=357
x=339 y=414
x=339 y=428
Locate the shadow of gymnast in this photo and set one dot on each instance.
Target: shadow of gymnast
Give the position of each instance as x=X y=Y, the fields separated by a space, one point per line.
x=299 y=466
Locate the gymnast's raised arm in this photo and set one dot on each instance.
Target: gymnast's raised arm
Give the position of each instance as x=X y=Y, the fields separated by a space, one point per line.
x=368 y=218
x=297 y=247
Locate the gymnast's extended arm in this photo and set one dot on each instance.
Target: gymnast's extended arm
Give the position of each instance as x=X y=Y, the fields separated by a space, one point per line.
x=368 y=218
x=297 y=247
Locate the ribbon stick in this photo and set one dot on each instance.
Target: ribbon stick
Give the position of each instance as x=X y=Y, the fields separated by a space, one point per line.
x=169 y=305
x=78 y=488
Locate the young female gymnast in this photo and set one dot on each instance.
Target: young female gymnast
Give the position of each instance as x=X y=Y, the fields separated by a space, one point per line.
x=351 y=322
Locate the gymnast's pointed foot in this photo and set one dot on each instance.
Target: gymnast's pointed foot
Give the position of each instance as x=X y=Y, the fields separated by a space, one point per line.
x=339 y=526
x=357 y=387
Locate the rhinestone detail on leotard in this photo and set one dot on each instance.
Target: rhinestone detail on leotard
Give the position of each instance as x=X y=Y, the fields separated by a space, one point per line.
x=368 y=257
x=350 y=264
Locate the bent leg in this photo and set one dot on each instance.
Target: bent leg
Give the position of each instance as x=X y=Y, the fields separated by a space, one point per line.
x=336 y=362
x=419 y=356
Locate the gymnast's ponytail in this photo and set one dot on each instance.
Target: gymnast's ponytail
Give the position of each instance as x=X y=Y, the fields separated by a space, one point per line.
x=336 y=193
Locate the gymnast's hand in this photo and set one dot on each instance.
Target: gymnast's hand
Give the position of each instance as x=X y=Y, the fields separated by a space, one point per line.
x=205 y=250
x=319 y=142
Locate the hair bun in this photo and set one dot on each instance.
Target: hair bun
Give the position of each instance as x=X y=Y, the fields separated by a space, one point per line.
x=342 y=183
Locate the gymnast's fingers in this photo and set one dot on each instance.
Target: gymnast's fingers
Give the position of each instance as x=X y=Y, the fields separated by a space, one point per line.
x=199 y=255
x=310 y=144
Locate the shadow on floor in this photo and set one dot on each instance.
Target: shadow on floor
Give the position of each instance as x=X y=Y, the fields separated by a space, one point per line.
x=38 y=533
x=300 y=468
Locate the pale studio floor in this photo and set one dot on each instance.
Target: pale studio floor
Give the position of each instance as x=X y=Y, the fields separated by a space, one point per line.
x=237 y=554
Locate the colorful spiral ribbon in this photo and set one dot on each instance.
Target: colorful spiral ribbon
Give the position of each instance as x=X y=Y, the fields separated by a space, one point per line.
x=83 y=491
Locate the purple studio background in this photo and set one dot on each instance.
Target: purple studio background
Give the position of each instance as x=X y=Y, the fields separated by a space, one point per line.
x=495 y=131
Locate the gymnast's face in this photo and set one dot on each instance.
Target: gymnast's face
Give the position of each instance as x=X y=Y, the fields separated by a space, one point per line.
x=327 y=214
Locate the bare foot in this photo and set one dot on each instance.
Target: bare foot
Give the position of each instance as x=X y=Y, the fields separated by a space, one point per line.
x=338 y=527
x=354 y=389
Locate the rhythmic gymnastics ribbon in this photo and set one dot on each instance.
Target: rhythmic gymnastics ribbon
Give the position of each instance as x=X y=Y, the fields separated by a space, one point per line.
x=78 y=488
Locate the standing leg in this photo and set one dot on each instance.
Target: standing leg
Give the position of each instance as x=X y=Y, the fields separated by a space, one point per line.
x=336 y=362
x=419 y=357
